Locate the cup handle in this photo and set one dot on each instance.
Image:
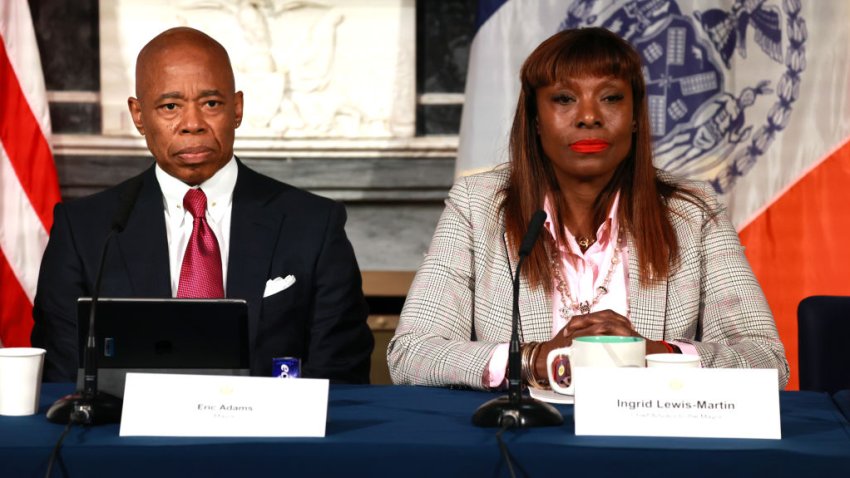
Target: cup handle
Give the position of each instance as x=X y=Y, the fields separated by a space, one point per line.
x=568 y=390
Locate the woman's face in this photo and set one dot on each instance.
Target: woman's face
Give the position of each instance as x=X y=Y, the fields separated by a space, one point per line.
x=585 y=127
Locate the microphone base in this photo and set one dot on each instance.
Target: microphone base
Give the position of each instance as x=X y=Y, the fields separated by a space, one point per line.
x=528 y=413
x=101 y=409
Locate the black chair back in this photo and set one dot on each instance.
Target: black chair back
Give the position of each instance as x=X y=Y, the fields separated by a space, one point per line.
x=823 y=328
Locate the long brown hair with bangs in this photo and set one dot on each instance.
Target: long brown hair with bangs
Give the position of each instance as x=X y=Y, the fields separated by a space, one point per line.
x=643 y=211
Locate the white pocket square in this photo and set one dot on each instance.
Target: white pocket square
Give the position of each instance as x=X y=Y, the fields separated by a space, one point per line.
x=273 y=286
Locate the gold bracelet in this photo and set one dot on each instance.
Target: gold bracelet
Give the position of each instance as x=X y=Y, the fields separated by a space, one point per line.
x=534 y=382
x=525 y=355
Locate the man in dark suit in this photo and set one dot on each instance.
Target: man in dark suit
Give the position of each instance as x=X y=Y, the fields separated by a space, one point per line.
x=187 y=109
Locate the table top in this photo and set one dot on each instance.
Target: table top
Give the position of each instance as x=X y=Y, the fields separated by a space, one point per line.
x=422 y=431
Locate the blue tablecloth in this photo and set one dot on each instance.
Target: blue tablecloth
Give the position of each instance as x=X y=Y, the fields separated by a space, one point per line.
x=842 y=400
x=418 y=431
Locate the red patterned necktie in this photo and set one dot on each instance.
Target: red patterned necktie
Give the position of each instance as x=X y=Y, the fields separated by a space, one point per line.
x=200 y=275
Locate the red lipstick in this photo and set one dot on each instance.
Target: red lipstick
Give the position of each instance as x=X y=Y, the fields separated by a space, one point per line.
x=587 y=146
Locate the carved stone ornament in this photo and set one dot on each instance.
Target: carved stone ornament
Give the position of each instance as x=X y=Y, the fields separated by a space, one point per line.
x=308 y=69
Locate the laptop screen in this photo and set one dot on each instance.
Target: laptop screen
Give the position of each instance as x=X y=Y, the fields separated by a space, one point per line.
x=167 y=333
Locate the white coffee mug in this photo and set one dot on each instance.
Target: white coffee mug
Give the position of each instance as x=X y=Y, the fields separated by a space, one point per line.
x=672 y=360
x=20 y=380
x=595 y=351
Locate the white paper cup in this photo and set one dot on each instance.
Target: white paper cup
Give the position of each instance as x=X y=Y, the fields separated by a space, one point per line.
x=20 y=380
x=672 y=360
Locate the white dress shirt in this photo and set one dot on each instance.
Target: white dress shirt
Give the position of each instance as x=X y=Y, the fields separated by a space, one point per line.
x=178 y=221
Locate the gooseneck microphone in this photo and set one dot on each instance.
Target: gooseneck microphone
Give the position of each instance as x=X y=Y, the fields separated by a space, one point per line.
x=91 y=407
x=516 y=410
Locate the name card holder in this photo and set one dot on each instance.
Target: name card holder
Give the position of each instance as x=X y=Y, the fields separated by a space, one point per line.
x=223 y=406
x=677 y=402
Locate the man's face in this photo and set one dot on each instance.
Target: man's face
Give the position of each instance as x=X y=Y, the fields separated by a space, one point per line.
x=187 y=110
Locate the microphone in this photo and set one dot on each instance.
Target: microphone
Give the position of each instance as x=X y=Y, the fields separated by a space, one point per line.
x=516 y=410
x=534 y=227
x=91 y=407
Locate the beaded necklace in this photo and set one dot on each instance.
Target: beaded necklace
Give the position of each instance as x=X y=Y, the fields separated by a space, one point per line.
x=572 y=304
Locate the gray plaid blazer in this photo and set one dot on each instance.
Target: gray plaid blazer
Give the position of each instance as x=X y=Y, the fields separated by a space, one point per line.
x=459 y=305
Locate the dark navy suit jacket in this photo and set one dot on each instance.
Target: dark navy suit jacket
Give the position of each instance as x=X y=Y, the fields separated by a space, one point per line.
x=276 y=230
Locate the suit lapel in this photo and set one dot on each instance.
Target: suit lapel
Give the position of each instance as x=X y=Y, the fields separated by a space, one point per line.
x=535 y=305
x=143 y=244
x=647 y=304
x=254 y=232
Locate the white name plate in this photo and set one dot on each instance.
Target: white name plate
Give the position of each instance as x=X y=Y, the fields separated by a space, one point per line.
x=223 y=406
x=677 y=402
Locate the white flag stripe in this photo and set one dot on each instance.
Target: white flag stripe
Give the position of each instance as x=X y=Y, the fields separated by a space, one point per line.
x=24 y=57
x=492 y=84
x=22 y=236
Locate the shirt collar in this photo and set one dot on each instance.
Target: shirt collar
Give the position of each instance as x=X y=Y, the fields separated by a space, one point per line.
x=218 y=189
x=603 y=233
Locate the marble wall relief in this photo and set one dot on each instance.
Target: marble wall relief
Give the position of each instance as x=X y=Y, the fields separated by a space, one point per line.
x=309 y=69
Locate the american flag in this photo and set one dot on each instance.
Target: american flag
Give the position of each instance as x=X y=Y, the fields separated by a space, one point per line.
x=29 y=187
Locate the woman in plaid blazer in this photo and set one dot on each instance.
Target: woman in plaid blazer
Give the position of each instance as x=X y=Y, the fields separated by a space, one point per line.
x=581 y=149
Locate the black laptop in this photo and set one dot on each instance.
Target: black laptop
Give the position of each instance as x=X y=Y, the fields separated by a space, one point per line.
x=194 y=336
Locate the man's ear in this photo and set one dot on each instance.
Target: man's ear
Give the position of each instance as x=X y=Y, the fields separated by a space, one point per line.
x=237 y=107
x=136 y=114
